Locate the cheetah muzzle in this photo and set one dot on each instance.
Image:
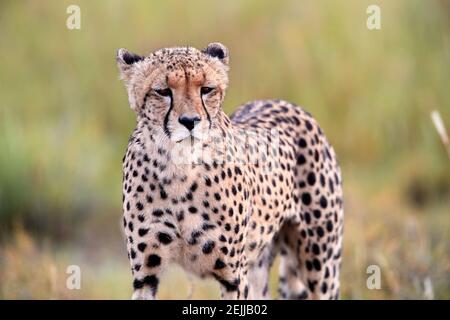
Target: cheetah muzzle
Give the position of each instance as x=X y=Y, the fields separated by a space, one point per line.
x=222 y=196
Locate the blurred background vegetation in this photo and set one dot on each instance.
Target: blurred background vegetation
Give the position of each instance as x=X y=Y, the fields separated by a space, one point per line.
x=64 y=125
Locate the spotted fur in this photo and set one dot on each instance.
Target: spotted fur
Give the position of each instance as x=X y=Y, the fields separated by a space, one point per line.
x=223 y=197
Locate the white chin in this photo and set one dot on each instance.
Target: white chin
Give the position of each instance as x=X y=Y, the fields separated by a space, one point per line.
x=199 y=134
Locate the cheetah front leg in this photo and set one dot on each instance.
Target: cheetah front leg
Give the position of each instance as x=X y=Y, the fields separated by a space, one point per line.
x=151 y=248
x=259 y=274
x=233 y=280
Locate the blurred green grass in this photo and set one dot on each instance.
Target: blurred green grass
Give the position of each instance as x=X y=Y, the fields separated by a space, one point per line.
x=64 y=124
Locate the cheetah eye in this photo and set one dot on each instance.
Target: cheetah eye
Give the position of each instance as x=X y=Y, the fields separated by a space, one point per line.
x=206 y=90
x=164 y=92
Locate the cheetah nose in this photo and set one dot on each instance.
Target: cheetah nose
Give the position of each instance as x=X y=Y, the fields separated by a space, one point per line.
x=189 y=122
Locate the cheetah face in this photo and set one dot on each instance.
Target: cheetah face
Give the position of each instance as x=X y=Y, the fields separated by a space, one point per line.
x=179 y=91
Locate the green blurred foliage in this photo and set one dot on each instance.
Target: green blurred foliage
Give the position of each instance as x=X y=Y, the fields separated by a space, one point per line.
x=64 y=118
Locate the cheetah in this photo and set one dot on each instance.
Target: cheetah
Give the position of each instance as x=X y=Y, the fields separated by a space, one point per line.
x=223 y=196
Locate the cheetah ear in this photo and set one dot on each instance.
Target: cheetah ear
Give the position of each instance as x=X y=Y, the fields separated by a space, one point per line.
x=217 y=50
x=125 y=61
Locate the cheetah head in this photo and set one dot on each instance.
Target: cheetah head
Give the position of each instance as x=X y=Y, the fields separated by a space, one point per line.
x=179 y=91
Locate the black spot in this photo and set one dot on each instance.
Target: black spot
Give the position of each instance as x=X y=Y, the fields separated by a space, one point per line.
x=301 y=160
x=192 y=209
x=208 y=247
x=312 y=285
x=315 y=249
x=320 y=231
x=329 y=226
x=317 y=265
x=246 y=292
x=311 y=178
x=317 y=214
x=138 y=284
x=141 y=246
x=302 y=143
x=152 y=281
x=330 y=182
x=194 y=186
x=219 y=264
x=153 y=261
x=208 y=226
x=324 y=287
x=158 y=212
x=139 y=206
x=143 y=231
x=163 y=194
x=307 y=218
x=217 y=196
x=194 y=235
x=322 y=180
x=306 y=198
x=323 y=202
x=164 y=238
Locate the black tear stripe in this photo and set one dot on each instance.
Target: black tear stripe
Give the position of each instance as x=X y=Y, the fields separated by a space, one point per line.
x=166 y=118
x=207 y=113
x=145 y=100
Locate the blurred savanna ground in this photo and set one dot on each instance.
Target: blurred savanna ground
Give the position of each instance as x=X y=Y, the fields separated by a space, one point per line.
x=65 y=122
